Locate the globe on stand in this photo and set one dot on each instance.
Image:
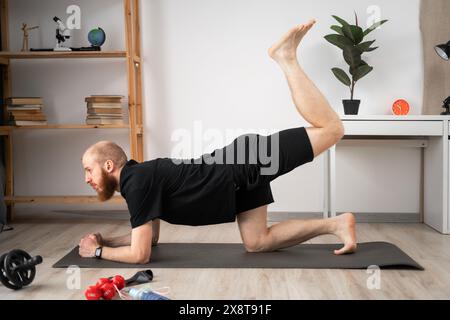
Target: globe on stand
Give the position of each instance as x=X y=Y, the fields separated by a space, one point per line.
x=97 y=38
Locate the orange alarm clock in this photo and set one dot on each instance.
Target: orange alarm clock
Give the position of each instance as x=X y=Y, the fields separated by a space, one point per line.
x=400 y=107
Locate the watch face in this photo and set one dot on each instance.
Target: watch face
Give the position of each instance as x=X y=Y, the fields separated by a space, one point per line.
x=98 y=252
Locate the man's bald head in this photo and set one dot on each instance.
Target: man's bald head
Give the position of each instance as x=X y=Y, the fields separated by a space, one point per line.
x=106 y=150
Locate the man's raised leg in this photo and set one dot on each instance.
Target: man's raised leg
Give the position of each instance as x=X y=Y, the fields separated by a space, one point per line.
x=327 y=131
x=310 y=102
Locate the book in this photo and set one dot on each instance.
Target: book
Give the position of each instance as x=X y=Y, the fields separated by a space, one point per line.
x=24 y=100
x=113 y=116
x=104 y=110
x=107 y=96
x=104 y=99
x=24 y=111
x=24 y=107
x=37 y=117
x=29 y=123
x=110 y=105
x=104 y=115
x=104 y=121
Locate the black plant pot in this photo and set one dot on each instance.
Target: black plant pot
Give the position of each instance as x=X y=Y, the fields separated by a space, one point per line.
x=351 y=106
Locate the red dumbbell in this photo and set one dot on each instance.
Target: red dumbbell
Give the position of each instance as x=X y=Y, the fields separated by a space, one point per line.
x=103 y=288
x=93 y=293
x=102 y=281
x=108 y=291
x=106 y=287
x=109 y=288
x=119 y=282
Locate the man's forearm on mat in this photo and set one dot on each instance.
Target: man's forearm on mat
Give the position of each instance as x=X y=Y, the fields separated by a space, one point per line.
x=125 y=254
x=125 y=240
x=120 y=241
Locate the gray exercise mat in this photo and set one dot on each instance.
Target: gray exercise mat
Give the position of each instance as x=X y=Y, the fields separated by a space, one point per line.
x=230 y=255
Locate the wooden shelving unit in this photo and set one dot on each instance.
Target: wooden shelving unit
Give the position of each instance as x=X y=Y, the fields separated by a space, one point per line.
x=131 y=56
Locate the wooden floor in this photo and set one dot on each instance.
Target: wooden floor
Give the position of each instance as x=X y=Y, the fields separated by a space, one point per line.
x=53 y=234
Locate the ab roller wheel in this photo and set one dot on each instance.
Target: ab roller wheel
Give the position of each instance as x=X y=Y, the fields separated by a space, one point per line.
x=18 y=269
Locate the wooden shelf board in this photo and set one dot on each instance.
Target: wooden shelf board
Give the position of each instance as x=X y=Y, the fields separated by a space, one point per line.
x=59 y=199
x=74 y=126
x=5 y=130
x=70 y=54
x=4 y=61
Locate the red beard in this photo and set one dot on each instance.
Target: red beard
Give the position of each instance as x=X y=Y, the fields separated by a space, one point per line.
x=108 y=186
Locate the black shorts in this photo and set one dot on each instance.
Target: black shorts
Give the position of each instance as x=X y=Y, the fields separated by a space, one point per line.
x=265 y=159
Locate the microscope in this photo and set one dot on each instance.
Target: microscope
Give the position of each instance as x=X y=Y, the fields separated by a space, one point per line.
x=62 y=34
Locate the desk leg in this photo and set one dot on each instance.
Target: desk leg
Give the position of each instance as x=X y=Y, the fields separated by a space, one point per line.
x=436 y=182
x=332 y=192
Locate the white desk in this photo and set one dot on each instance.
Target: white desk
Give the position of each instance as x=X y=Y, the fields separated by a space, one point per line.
x=431 y=133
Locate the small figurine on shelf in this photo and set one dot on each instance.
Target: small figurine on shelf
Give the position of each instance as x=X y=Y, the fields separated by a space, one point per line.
x=25 y=36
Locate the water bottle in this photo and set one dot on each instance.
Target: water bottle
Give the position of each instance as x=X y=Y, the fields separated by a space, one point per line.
x=145 y=294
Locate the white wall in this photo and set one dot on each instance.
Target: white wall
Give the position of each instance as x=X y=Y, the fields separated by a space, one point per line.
x=206 y=64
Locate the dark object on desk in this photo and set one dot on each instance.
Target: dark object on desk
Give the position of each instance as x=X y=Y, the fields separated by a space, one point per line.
x=446 y=105
x=443 y=51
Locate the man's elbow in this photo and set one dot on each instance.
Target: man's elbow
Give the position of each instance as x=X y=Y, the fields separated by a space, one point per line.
x=142 y=258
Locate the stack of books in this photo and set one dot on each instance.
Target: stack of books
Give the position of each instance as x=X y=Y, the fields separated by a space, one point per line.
x=104 y=109
x=25 y=111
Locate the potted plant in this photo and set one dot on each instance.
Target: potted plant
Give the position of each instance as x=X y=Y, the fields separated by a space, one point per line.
x=350 y=39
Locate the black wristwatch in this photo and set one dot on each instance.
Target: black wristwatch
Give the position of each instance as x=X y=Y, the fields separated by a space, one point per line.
x=98 y=252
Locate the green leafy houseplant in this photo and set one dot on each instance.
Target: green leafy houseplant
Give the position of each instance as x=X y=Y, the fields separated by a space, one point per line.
x=350 y=38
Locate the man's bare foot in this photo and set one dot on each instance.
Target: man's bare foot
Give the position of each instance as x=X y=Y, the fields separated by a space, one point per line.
x=344 y=228
x=286 y=47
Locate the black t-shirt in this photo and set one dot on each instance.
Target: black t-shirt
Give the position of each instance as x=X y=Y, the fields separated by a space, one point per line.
x=179 y=193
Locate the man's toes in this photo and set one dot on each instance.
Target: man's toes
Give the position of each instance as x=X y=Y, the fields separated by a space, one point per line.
x=301 y=28
x=308 y=27
x=348 y=248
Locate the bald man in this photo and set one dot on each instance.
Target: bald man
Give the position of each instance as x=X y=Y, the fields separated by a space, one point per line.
x=218 y=188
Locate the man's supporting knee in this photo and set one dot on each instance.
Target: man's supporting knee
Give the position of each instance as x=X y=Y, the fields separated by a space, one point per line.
x=261 y=243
